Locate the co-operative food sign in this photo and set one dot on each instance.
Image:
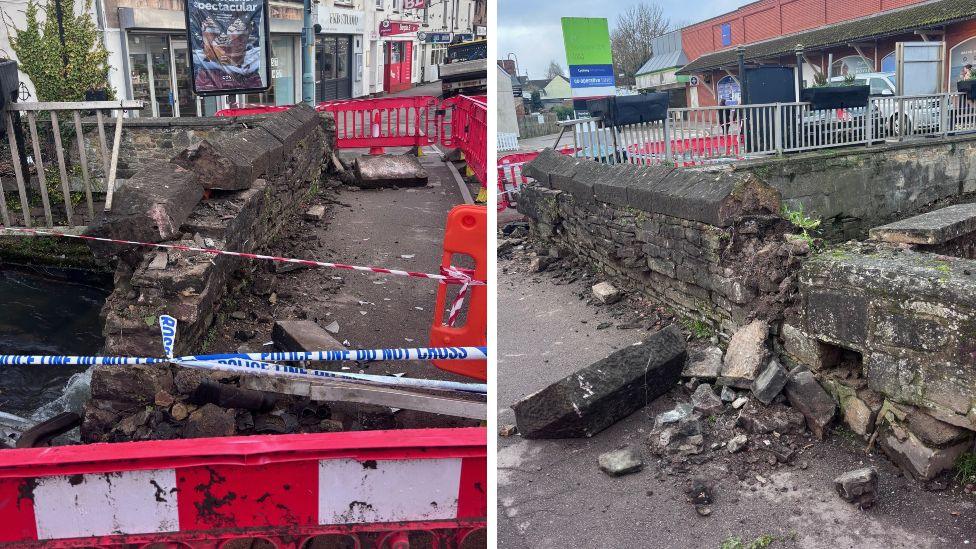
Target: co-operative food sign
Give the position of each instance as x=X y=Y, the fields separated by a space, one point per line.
x=229 y=46
x=589 y=57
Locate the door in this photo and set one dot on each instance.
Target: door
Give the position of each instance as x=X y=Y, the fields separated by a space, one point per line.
x=398 y=67
x=161 y=75
x=186 y=104
x=334 y=61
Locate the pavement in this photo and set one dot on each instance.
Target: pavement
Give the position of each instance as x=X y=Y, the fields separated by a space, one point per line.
x=393 y=228
x=429 y=88
x=552 y=494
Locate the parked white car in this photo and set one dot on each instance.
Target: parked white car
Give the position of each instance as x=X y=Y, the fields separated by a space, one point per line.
x=920 y=114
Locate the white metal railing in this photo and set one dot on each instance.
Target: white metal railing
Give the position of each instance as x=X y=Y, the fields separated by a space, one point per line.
x=45 y=138
x=507 y=141
x=706 y=135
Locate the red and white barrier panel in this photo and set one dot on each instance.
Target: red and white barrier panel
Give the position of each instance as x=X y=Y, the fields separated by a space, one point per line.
x=285 y=489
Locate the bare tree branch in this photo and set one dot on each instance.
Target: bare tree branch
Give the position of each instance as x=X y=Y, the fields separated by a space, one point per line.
x=554 y=70
x=631 y=39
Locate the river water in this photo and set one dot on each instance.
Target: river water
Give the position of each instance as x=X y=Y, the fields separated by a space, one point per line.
x=47 y=313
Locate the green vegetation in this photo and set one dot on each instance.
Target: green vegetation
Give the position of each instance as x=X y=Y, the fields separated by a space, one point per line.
x=735 y=542
x=802 y=221
x=966 y=468
x=698 y=328
x=848 y=79
x=819 y=80
x=61 y=71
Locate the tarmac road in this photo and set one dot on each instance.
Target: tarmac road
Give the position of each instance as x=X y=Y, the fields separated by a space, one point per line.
x=552 y=494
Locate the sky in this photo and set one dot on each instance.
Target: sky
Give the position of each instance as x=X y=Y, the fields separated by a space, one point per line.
x=531 y=28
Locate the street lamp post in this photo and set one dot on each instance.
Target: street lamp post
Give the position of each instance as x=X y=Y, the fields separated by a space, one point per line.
x=308 y=65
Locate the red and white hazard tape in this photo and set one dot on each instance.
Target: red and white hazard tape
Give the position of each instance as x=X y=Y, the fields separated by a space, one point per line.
x=457 y=278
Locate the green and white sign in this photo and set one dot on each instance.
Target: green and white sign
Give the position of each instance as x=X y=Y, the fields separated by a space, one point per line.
x=589 y=56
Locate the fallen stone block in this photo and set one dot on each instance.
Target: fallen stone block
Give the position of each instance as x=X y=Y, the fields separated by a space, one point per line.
x=706 y=401
x=134 y=384
x=816 y=405
x=770 y=382
x=303 y=335
x=597 y=396
x=683 y=438
x=316 y=213
x=737 y=443
x=859 y=486
x=704 y=363
x=621 y=462
x=606 y=293
x=388 y=170
x=210 y=421
x=775 y=418
x=148 y=207
x=231 y=163
x=746 y=355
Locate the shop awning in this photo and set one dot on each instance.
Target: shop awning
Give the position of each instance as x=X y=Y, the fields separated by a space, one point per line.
x=662 y=62
x=900 y=21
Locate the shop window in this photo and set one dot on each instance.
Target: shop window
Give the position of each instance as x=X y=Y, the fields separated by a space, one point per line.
x=853 y=64
x=962 y=54
x=888 y=63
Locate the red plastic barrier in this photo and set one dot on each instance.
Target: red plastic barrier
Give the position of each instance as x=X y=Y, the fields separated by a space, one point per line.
x=377 y=486
x=510 y=176
x=467 y=129
x=467 y=234
x=384 y=122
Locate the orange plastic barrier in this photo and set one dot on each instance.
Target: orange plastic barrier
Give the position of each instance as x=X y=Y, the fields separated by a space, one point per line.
x=466 y=233
x=356 y=489
x=467 y=129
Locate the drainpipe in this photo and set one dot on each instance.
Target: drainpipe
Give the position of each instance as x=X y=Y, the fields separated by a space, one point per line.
x=740 y=51
x=799 y=70
x=308 y=42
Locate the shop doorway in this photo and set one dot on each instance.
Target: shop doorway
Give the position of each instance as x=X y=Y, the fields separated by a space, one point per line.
x=159 y=73
x=398 y=61
x=333 y=60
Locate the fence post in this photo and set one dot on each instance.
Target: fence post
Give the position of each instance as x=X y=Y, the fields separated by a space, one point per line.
x=869 y=123
x=944 y=102
x=901 y=118
x=667 y=138
x=778 y=125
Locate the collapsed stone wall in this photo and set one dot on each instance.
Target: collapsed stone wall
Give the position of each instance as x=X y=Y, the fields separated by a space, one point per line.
x=710 y=245
x=234 y=192
x=886 y=330
x=267 y=170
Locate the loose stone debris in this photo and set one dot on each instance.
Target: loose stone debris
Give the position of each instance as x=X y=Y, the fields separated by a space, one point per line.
x=621 y=462
x=607 y=293
x=859 y=487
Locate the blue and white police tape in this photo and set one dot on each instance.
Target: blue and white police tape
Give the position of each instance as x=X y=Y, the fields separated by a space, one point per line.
x=359 y=355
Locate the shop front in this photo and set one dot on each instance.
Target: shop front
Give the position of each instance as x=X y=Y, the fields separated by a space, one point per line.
x=156 y=64
x=398 y=54
x=339 y=53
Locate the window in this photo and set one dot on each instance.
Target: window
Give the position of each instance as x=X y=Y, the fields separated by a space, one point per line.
x=853 y=64
x=727 y=34
x=888 y=63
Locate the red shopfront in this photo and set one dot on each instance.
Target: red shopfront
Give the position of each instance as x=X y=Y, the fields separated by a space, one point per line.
x=399 y=66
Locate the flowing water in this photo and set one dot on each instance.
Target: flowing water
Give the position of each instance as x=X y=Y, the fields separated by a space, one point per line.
x=48 y=313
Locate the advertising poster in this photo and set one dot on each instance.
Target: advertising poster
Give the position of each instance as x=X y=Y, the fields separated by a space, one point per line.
x=229 y=46
x=588 y=55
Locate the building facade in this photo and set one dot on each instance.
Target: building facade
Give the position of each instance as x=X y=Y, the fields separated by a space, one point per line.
x=364 y=47
x=837 y=37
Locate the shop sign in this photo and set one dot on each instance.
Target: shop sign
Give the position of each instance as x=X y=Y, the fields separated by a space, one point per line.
x=414 y=4
x=340 y=21
x=435 y=37
x=229 y=46
x=391 y=28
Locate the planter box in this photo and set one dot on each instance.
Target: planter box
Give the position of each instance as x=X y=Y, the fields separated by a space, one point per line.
x=968 y=87
x=9 y=82
x=836 y=97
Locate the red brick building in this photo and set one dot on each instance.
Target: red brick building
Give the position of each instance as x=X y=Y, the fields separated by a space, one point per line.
x=838 y=37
